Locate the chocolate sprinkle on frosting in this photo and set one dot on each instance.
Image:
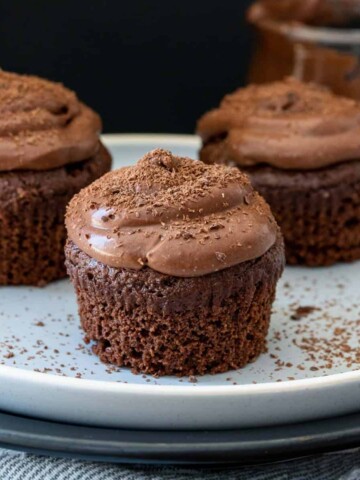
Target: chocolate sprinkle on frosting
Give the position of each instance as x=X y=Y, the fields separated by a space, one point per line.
x=286 y=124
x=175 y=215
x=43 y=125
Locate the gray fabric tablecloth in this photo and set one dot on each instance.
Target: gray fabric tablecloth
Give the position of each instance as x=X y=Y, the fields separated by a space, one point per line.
x=20 y=466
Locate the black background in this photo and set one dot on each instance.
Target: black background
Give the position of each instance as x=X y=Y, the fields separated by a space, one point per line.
x=145 y=66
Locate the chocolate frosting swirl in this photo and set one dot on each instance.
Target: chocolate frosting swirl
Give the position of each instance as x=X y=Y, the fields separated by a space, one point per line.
x=175 y=215
x=43 y=125
x=287 y=124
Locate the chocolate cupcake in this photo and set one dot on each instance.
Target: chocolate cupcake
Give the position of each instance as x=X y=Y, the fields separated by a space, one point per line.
x=300 y=145
x=175 y=265
x=49 y=150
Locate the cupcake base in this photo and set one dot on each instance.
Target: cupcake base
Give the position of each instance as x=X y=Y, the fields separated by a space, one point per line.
x=32 y=231
x=165 y=325
x=318 y=211
x=319 y=216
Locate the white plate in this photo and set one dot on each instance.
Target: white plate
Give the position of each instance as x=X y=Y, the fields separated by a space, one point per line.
x=311 y=369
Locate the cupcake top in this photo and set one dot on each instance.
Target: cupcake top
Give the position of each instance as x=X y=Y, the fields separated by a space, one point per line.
x=175 y=215
x=287 y=124
x=43 y=125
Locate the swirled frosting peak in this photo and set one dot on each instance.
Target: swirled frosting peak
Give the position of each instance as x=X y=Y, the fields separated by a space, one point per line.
x=174 y=215
x=287 y=124
x=43 y=125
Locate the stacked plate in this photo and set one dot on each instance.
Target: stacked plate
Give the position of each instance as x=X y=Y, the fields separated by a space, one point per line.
x=301 y=396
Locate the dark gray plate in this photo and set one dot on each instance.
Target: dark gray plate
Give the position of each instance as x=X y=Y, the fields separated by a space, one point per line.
x=180 y=447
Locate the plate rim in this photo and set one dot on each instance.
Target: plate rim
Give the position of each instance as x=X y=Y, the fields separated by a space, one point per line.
x=135 y=138
x=260 y=444
x=289 y=386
